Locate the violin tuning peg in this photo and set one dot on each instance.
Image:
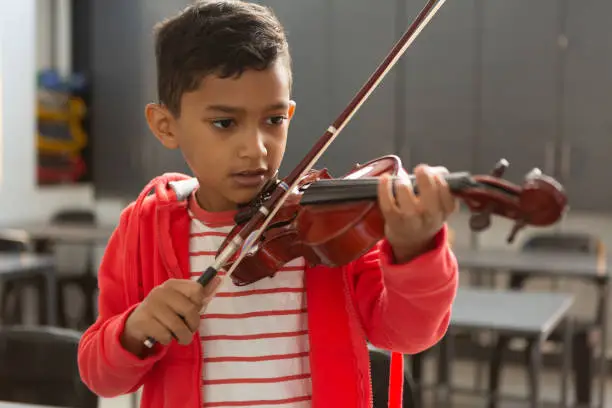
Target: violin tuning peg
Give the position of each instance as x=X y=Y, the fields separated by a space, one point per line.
x=534 y=174
x=518 y=225
x=500 y=168
x=480 y=221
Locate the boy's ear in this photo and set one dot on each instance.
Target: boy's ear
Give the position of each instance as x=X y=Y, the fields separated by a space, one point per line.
x=160 y=122
x=291 y=109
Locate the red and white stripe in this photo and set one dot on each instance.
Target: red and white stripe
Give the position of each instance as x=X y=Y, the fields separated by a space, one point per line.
x=254 y=338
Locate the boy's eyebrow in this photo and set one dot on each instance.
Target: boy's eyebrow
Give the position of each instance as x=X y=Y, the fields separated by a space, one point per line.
x=278 y=106
x=236 y=109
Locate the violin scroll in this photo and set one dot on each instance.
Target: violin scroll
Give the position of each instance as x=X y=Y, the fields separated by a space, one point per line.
x=540 y=201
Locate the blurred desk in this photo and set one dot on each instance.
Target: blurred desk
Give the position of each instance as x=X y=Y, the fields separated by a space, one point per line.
x=533 y=316
x=510 y=312
x=33 y=264
x=541 y=263
x=4 y=404
x=66 y=233
x=42 y=237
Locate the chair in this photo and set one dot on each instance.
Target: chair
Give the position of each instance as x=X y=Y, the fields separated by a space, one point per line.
x=85 y=280
x=74 y=216
x=13 y=287
x=380 y=369
x=38 y=365
x=582 y=365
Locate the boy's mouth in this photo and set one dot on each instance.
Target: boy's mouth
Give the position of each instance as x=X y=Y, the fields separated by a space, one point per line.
x=250 y=178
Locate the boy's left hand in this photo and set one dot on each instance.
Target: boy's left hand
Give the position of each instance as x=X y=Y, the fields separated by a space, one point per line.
x=411 y=222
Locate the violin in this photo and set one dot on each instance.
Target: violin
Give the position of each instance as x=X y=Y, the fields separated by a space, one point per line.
x=333 y=221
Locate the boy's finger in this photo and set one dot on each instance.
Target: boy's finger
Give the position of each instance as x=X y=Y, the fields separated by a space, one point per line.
x=210 y=289
x=406 y=199
x=447 y=200
x=179 y=302
x=428 y=190
x=158 y=331
x=206 y=293
x=174 y=323
x=195 y=292
x=386 y=201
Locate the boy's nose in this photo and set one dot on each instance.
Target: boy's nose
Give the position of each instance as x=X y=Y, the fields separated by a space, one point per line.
x=254 y=145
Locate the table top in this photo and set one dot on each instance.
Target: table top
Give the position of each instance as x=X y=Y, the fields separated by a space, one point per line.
x=26 y=262
x=5 y=404
x=535 y=262
x=511 y=312
x=75 y=233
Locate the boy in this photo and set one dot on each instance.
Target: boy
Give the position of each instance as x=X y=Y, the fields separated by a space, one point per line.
x=297 y=339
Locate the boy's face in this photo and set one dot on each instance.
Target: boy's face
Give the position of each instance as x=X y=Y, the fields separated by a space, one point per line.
x=232 y=133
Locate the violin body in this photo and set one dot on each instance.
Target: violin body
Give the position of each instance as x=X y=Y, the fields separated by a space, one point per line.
x=323 y=232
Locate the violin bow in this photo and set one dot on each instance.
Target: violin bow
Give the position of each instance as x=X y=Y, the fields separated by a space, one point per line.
x=253 y=229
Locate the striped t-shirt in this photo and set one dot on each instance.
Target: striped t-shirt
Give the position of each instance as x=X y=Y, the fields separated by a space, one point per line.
x=255 y=337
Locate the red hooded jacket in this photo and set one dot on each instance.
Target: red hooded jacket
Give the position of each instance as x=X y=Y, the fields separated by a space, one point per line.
x=400 y=307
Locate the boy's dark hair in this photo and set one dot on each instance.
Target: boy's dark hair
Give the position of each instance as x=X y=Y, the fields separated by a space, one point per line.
x=224 y=37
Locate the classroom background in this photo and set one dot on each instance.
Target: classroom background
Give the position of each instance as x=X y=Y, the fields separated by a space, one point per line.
x=525 y=81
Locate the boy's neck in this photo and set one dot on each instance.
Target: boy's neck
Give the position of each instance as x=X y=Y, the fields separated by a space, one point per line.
x=213 y=206
x=217 y=217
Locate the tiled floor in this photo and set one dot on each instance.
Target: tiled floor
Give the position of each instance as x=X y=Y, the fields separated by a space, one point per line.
x=513 y=382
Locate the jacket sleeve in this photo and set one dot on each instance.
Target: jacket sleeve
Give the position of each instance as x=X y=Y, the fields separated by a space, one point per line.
x=405 y=307
x=105 y=366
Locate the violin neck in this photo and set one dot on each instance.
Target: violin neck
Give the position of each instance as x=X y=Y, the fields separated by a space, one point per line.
x=328 y=191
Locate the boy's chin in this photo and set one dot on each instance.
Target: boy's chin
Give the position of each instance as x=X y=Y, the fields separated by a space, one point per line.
x=246 y=196
x=245 y=199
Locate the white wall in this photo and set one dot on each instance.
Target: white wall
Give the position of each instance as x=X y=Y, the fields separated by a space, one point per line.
x=43 y=34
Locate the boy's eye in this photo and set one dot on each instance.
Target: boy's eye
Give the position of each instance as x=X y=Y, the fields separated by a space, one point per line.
x=222 y=123
x=277 y=120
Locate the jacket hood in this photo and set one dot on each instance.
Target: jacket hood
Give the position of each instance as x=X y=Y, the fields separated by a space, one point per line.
x=158 y=200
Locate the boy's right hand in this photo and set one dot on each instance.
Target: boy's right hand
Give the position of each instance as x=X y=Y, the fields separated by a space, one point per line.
x=159 y=314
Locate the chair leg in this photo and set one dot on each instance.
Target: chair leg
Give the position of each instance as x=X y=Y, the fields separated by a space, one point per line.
x=534 y=370
x=41 y=288
x=409 y=387
x=417 y=376
x=7 y=288
x=89 y=290
x=495 y=370
x=17 y=315
x=445 y=360
x=582 y=356
x=61 y=303
x=14 y=309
